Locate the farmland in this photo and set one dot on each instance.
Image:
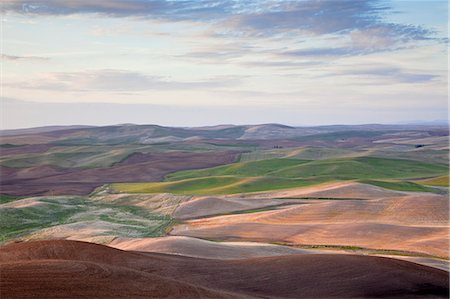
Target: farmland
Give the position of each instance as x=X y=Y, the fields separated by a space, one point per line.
x=233 y=196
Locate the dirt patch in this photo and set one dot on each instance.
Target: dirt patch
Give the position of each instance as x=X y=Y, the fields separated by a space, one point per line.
x=414 y=222
x=47 y=180
x=332 y=190
x=54 y=269
x=194 y=247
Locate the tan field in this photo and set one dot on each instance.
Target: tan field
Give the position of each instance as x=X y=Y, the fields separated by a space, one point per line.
x=331 y=190
x=411 y=222
x=200 y=248
x=194 y=247
x=199 y=207
x=210 y=206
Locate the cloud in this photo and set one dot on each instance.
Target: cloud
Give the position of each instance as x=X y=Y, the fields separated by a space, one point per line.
x=117 y=81
x=375 y=39
x=359 y=19
x=320 y=52
x=384 y=36
x=360 y=25
x=387 y=74
x=312 y=17
x=23 y=58
x=174 y=10
x=283 y=64
x=254 y=17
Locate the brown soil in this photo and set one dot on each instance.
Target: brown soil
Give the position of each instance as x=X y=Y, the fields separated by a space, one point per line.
x=138 y=167
x=332 y=190
x=200 y=207
x=417 y=223
x=69 y=269
x=193 y=247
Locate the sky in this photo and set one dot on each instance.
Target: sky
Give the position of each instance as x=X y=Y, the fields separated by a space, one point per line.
x=194 y=62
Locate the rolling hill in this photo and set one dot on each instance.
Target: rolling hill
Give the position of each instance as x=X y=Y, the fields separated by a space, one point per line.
x=95 y=271
x=225 y=212
x=263 y=175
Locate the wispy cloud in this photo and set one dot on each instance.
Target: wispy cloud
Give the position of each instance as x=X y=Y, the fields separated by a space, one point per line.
x=312 y=17
x=117 y=81
x=256 y=17
x=23 y=58
x=305 y=53
x=321 y=52
x=360 y=26
x=283 y=64
x=387 y=74
x=174 y=10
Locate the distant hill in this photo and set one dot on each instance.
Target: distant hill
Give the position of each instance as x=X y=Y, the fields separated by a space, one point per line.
x=37 y=130
x=150 y=134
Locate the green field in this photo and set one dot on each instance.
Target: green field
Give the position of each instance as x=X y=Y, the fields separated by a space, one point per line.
x=442 y=181
x=399 y=185
x=70 y=156
x=245 y=169
x=124 y=220
x=216 y=185
x=275 y=174
x=362 y=168
x=18 y=221
x=187 y=186
x=7 y=198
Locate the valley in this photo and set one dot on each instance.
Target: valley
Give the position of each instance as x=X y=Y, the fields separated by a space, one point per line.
x=226 y=204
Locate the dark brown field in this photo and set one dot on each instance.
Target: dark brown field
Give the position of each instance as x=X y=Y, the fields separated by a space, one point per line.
x=41 y=180
x=70 y=269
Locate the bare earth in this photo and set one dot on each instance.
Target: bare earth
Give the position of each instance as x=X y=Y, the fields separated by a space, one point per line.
x=416 y=222
x=194 y=247
x=53 y=269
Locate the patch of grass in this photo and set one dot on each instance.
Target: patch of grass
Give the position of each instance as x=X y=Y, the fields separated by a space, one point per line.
x=422 y=154
x=85 y=157
x=273 y=174
x=399 y=185
x=244 y=169
x=133 y=221
x=441 y=181
x=340 y=169
x=215 y=185
x=76 y=141
x=363 y=168
x=234 y=145
x=258 y=155
x=323 y=153
x=266 y=184
x=343 y=135
x=188 y=186
x=15 y=222
x=343 y=247
x=8 y=198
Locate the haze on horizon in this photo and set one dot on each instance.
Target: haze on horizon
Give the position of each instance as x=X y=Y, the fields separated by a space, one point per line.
x=194 y=63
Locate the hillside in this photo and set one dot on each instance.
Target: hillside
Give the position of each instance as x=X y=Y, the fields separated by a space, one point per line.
x=214 y=212
x=59 y=160
x=264 y=175
x=88 y=270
